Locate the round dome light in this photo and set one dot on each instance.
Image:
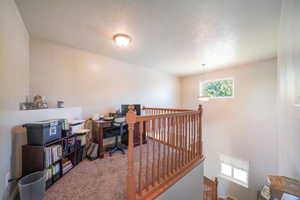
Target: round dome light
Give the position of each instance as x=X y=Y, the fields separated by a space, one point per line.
x=122 y=40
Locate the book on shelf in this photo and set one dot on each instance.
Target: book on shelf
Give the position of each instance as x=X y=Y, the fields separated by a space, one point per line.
x=52 y=170
x=48 y=174
x=66 y=166
x=52 y=154
x=56 y=169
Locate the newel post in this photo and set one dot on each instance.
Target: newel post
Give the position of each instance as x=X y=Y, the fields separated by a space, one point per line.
x=131 y=120
x=200 y=109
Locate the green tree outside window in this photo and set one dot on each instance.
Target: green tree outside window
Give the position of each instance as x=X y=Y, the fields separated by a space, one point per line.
x=218 y=88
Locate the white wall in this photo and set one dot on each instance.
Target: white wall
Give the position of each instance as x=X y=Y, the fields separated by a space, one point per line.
x=242 y=127
x=14 y=76
x=189 y=187
x=94 y=82
x=289 y=89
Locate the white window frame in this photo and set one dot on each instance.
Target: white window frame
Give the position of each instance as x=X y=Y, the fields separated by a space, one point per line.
x=231 y=178
x=214 y=80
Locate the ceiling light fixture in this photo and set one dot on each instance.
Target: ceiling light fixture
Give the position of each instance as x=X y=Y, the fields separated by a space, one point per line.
x=122 y=40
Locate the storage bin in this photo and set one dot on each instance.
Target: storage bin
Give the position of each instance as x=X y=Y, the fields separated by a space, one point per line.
x=43 y=132
x=32 y=186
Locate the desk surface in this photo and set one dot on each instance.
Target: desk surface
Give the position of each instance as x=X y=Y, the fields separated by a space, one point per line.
x=281 y=184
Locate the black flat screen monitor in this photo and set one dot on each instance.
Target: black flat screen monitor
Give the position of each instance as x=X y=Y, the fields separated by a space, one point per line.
x=124 y=108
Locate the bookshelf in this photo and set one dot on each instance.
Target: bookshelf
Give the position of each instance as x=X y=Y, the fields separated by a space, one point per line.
x=57 y=157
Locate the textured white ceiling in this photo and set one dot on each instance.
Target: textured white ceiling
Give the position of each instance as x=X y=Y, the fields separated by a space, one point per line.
x=175 y=36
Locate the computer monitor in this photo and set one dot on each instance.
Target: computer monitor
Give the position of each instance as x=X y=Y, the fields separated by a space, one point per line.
x=124 y=108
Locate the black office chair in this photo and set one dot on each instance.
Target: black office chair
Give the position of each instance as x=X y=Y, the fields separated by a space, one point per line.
x=118 y=129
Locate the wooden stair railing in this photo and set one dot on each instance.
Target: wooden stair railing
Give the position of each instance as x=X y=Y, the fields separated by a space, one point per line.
x=210 y=191
x=173 y=148
x=158 y=111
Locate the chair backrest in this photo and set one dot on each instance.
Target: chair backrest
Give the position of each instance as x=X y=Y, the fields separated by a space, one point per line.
x=119 y=120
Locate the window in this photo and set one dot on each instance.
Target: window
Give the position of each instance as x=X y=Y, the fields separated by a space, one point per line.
x=234 y=169
x=222 y=88
x=226 y=169
x=240 y=175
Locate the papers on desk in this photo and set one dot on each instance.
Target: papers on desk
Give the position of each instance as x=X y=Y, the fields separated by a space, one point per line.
x=81 y=131
x=286 y=196
x=266 y=193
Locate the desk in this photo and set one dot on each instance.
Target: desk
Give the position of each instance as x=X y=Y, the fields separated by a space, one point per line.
x=98 y=133
x=281 y=184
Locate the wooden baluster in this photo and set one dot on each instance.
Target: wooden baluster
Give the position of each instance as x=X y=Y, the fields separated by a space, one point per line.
x=141 y=157
x=186 y=139
x=183 y=140
x=172 y=143
x=153 y=151
x=159 y=145
x=200 y=131
x=168 y=142
x=176 y=143
x=198 y=135
x=164 y=146
x=147 y=154
x=195 y=136
x=192 y=138
x=190 y=134
x=131 y=120
x=180 y=142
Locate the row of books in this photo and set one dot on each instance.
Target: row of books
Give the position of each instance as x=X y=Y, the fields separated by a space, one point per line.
x=52 y=171
x=66 y=166
x=52 y=154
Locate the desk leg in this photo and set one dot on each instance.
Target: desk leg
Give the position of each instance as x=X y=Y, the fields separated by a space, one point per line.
x=98 y=138
x=100 y=142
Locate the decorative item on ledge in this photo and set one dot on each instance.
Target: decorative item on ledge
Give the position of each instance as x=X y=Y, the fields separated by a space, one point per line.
x=38 y=102
x=60 y=104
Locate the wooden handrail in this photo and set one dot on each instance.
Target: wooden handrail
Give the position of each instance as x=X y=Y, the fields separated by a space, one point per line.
x=159 y=116
x=173 y=148
x=167 y=109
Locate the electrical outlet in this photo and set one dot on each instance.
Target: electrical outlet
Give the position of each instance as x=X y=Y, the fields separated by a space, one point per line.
x=7 y=178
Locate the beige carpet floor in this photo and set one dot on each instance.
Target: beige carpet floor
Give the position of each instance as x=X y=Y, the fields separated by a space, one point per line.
x=101 y=179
